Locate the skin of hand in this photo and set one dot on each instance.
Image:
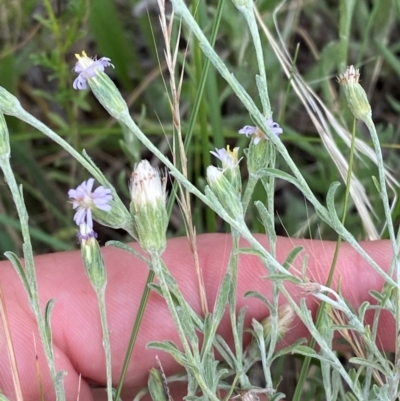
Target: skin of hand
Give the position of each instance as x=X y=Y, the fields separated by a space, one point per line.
x=75 y=319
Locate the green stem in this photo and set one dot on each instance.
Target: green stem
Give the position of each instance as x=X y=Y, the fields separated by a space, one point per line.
x=101 y=298
x=394 y=268
x=384 y=195
x=248 y=192
x=321 y=309
x=274 y=316
x=31 y=120
x=233 y=267
x=305 y=315
x=248 y=13
x=270 y=191
x=158 y=268
x=135 y=331
x=31 y=283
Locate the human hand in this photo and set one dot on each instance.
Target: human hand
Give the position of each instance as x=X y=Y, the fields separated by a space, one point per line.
x=75 y=319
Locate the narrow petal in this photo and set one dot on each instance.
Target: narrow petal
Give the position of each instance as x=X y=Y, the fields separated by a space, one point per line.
x=247 y=130
x=80 y=82
x=89 y=218
x=106 y=207
x=72 y=193
x=80 y=215
x=89 y=184
x=101 y=191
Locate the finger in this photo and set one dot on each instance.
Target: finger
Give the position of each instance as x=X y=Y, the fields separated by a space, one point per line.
x=75 y=320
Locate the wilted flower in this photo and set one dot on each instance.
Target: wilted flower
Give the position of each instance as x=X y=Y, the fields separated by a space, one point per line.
x=285 y=318
x=311 y=287
x=88 y=68
x=250 y=395
x=84 y=200
x=146 y=186
x=148 y=208
x=355 y=94
x=250 y=130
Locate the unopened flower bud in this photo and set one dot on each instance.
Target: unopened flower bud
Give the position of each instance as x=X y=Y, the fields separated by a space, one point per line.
x=355 y=94
x=4 y=138
x=92 y=257
x=224 y=191
x=258 y=155
x=148 y=208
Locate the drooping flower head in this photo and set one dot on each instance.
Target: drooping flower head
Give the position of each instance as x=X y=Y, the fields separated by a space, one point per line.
x=228 y=157
x=226 y=190
x=250 y=130
x=84 y=200
x=87 y=68
x=230 y=165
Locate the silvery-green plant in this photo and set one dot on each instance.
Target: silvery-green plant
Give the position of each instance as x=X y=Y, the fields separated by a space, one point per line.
x=147 y=221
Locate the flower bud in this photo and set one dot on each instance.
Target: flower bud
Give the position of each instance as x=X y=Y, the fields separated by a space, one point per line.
x=224 y=191
x=4 y=138
x=355 y=94
x=92 y=257
x=148 y=207
x=258 y=155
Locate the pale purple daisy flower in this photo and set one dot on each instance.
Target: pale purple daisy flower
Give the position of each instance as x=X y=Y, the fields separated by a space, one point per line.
x=229 y=158
x=88 y=68
x=250 y=130
x=83 y=199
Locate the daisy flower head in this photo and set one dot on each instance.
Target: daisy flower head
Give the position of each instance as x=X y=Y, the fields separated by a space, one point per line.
x=84 y=200
x=250 y=130
x=87 y=68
